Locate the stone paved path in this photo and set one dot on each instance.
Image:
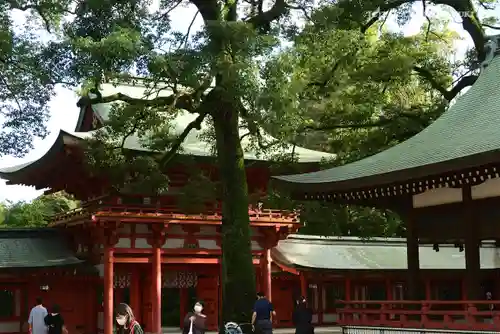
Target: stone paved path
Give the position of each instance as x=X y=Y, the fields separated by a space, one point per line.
x=317 y=330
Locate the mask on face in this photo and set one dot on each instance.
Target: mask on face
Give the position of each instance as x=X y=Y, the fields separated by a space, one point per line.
x=121 y=320
x=198 y=308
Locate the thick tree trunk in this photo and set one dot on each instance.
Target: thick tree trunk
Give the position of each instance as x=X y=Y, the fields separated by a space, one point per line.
x=238 y=275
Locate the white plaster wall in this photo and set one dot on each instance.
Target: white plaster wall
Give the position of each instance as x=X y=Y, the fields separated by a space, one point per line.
x=173 y=243
x=489 y=188
x=437 y=196
x=208 y=244
x=124 y=243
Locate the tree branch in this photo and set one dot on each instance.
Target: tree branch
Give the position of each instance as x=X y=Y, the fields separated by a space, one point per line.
x=209 y=9
x=196 y=124
x=379 y=123
x=490 y=26
x=185 y=101
x=262 y=21
x=449 y=95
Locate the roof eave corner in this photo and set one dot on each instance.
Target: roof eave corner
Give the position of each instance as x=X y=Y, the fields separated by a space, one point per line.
x=82 y=104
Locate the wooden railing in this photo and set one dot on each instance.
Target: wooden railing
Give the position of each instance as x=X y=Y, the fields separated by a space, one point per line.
x=171 y=212
x=459 y=315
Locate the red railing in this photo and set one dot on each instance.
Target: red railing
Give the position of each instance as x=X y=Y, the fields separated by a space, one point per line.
x=171 y=212
x=459 y=315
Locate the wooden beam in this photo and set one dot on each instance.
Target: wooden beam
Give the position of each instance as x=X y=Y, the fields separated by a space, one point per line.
x=173 y=260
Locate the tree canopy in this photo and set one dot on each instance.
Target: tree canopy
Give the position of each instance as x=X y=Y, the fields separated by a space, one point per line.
x=339 y=82
x=37 y=213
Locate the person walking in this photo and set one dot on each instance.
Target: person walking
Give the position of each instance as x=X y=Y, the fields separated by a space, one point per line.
x=125 y=320
x=36 y=320
x=262 y=316
x=195 y=322
x=55 y=322
x=302 y=318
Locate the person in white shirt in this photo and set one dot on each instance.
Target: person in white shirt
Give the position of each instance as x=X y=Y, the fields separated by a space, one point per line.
x=36 y=320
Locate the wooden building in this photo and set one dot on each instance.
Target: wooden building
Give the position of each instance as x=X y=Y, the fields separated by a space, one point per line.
x=41 y=263
x=444 y=182
x=164 y=257
x=341 y=277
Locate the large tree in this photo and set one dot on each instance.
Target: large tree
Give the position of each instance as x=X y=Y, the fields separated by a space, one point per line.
x=118 y=39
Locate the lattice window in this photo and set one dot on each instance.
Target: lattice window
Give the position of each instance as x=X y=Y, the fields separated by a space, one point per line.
x=122 y=281
x=179 y=279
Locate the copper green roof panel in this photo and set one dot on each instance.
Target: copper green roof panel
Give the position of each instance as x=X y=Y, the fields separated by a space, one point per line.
x=468 y=129
x=32 y=248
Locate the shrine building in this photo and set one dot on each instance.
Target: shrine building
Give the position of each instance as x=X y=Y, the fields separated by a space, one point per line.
x=146 y=250
x=343 y=278
x=444 y=183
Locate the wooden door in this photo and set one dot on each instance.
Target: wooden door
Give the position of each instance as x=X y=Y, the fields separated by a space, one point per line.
x=207 y=291
x=283 y=302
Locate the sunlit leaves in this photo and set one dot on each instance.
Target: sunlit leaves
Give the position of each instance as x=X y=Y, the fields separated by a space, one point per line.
x=38 y=213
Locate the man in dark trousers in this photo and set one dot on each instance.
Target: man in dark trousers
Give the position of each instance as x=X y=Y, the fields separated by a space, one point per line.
x=263 y=313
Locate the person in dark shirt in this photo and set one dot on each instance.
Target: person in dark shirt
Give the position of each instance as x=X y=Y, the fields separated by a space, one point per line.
x=263 y=313
x=55 y=322
x=302 y=318
x=195 y=322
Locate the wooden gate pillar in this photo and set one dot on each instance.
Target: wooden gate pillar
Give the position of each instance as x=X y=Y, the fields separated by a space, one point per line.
x=109 y=240
x=266 y=273
x=303 y=285
x=156 y=240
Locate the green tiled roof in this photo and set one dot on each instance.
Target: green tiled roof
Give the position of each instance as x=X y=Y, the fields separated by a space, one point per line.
x=349 y=253
x=466 y=131
x=32 y=248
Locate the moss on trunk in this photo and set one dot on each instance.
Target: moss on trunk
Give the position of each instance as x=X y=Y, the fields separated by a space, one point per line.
x=238 y=275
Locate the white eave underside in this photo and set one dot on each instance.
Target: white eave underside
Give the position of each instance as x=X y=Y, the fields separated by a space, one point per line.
x=348 y=253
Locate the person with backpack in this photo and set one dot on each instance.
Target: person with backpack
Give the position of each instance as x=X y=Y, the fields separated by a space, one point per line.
x=55 y=322
x=125 y=321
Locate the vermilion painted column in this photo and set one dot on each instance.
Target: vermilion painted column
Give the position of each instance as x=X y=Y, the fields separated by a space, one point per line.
x=266 y=273
x=108 y=289
x=156 y=293
x=303 y=285
x=347 y=297
x=388 y=287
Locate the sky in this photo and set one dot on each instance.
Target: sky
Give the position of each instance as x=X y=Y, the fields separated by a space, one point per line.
x=64 y=112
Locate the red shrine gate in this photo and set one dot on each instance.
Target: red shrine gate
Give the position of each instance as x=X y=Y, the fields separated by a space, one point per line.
x=148 y=254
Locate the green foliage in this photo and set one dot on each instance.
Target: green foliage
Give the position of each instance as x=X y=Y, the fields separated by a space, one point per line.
x=38 y=213
x=342 y=83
